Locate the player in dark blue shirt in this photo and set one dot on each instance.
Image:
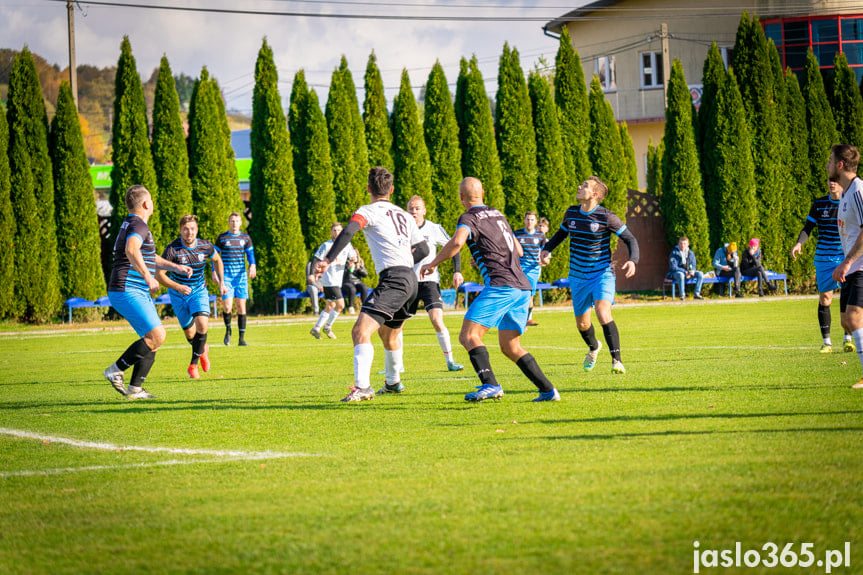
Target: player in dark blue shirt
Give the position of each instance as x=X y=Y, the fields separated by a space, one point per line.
x=189 y=296
x=591 y=277
x=235 y=247
x=532 y=241
x=504 y=301
x=132 y=280
x=828 y=255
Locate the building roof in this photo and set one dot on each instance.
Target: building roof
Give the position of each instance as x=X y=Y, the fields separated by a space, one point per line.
x=556 y=24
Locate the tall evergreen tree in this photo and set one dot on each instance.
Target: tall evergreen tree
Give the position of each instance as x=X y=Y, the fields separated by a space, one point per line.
x=318 y=202
x=476 y=134
x=553 y=197
x=631 y=172
x=130 y=144
x=170 y=153
x=654 y=161
x=275 y=223
x=606 y=152
x=7 y=225
x=516 y=140
x=441 y=136
x=350 y=192
x=802 y=268
x=413 y=172
x=78 y=241
x=713 y=74
x=847 y=103
x=820 y=123
x=358 y=128
x=215 y=193
x=37 y=288
x=379 y=139
x=570 y=94
x=299 y=140
x=682 y=199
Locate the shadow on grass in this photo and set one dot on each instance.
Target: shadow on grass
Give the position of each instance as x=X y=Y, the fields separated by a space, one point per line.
x=669 y=433
x=686 y=416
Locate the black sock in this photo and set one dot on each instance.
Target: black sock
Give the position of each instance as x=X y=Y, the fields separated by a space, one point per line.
x=528 y=366
x=142 y=369
x=589 y=337
x=241 y=324
x=133 y=355
x=612 y=338
x=824 y=319
x=482 y=366
x=199 y=343
x=227 y=318
x=191 y=340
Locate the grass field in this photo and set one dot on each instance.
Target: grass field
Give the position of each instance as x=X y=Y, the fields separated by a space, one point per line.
x=727 y=427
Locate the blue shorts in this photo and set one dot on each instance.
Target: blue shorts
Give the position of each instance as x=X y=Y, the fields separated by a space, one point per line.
x=238 y=286
x=502 y=307
x=585 y=292
x=824 y=276
x=533 y=278
x=138 y=309
x=186 y=307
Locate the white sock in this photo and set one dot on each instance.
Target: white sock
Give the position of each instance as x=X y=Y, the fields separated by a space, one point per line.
x=828 y=341
x=364 y=354
x=333 y=315
x=858 y=339
x=847 y=337
x=321 y=320
x=445 y=344
x=393 y=360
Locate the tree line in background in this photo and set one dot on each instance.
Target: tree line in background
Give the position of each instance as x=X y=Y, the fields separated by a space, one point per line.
x=746 y=163
x=752 y=158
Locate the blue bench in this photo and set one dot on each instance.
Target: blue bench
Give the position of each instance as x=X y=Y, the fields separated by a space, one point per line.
x=286 y=294
x=772 y=276
x=468 y=288
x=164 y=299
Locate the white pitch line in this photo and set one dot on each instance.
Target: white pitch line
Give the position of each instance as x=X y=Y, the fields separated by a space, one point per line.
x=58 y=471
x=174 y=450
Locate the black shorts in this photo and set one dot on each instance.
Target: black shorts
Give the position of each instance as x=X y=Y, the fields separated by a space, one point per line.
x=390 y=303
x=332 y=293
x=429 y=293
x=852 y=291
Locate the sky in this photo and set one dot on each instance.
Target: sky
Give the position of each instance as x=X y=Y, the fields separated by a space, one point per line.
x=228 y=43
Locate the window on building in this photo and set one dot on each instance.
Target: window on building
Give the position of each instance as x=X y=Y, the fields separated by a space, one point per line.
x=606 y=73
x=651 y=69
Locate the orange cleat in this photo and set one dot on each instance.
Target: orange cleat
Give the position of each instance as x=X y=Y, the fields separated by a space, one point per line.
x=205 y=358
x=193 y=372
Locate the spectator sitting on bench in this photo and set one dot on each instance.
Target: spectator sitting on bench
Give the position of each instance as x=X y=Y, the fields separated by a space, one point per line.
x=726 y=264
x=682 y=266
x=750 y=265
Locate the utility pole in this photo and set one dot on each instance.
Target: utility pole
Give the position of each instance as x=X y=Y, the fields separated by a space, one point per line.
x=666 y=64
x=73 y=68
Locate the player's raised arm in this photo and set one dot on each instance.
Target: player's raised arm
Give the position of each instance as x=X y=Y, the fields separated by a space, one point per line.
x=556 y=240
x=136 y=260
x=341 y=242
x=219 y=272
x=450 y=249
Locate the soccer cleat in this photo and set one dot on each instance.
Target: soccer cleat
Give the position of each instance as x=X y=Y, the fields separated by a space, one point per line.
x=617 y=367
x=552 y=395
x=193 y=371
x=453 y=366
x=359 y=394
x=826 y=348
x=328 y=331
x=139 y=393
x=485 y=391
x=590 y=358
x=858 y=385
x=531 y=323
x=242 y=343
x=227 y=339
x=205 y=359
x=698 y=296
x=316 y=333
x=392 y=388
x=116 y=379
x=848 y=346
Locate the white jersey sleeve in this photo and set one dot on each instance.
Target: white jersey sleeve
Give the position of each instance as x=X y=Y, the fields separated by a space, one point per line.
x=390 y=231
x=434 y=235
x=850 y=220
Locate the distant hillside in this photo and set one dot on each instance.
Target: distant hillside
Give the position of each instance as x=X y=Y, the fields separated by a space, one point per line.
x=95 y=97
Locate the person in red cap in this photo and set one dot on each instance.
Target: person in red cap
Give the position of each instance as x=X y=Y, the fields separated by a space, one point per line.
x=750 y=265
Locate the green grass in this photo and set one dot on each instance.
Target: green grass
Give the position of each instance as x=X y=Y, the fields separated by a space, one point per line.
x=728 y=426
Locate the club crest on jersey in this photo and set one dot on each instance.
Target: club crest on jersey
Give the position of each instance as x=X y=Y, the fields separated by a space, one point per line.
x=200 y=257
x=825 y=213
x=184 y=260
x=594 y=226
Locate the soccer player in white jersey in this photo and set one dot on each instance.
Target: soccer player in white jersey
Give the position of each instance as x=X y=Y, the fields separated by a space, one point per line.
x=396 y=245
x=842 y=167
x=332 y=280
x=428 y=289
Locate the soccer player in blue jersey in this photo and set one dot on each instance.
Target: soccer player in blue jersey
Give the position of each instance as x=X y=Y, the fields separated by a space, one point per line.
x=132 y=280
x=189 y=296
x=591 y=275
x=531 y=241
x=828 y=255
x=235 y=247
x=503 y=302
